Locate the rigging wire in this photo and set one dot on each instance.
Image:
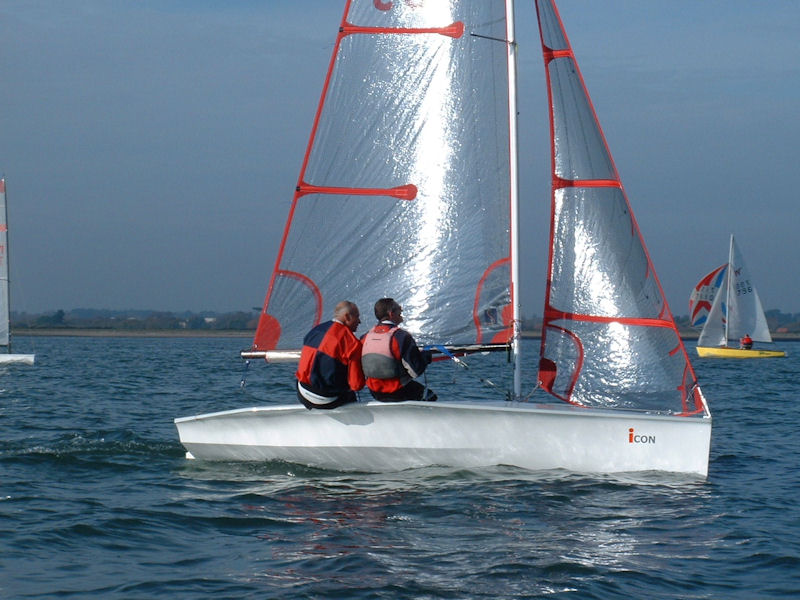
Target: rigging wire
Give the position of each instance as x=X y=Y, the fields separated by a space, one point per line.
x=486 y=381
x=243 y=382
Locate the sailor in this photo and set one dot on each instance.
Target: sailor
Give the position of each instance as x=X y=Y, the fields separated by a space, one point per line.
x=391 y=360
x=746 y=343
x=330 y=372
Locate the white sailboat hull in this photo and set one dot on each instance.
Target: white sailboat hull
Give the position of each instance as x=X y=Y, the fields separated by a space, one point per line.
x=16 y=359
x=382 y=437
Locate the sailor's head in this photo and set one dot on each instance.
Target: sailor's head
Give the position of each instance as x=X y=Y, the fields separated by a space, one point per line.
x=388 y=309
x=347 y=313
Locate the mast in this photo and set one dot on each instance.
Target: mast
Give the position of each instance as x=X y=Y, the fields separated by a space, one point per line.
x=514 y=196
x=728 y=291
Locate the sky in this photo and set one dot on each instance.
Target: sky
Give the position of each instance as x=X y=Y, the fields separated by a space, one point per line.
x=151 y=148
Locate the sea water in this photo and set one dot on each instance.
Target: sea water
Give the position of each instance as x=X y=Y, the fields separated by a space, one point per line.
x=98 y=501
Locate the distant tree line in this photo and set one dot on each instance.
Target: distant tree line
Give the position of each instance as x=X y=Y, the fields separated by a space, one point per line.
x=783 y=322
x=138 y=320
x=777 y=321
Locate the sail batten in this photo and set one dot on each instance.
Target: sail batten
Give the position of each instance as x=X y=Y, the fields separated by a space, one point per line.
x=455 y=30
x=639 y=322
x=559 y=182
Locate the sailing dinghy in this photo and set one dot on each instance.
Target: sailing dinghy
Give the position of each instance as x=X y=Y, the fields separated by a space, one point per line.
x=726 y=305
x=408 y=189
x=7 y=357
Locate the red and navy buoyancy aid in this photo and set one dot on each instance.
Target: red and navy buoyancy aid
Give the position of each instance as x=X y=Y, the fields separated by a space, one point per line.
x=382 y=367
x=330 y=360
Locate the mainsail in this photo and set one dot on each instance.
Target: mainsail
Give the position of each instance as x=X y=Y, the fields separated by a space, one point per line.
x=745 y=312
x=404 y=190
x=608 y=338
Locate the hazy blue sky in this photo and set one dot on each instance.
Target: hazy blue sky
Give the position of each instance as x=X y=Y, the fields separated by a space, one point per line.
x=151 y=147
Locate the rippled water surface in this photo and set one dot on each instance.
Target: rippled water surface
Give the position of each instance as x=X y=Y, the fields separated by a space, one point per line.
x=97 y=500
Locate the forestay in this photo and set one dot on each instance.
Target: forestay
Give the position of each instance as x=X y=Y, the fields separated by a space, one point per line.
x=404 y=188
x=608 y=339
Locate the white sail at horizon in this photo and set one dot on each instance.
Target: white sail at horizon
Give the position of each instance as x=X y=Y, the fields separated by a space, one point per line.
x=4 y=289
x=6 y=357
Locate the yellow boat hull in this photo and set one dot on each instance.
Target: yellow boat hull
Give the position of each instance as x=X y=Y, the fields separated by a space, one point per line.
x=724 y=352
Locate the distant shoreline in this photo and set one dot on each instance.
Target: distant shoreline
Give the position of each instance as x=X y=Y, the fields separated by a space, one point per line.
x=238 y=333
x=134 y=333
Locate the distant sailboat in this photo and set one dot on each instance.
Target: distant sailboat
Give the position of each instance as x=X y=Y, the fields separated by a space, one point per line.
x=726 y=304
x=6 y=357
x=409 y=188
